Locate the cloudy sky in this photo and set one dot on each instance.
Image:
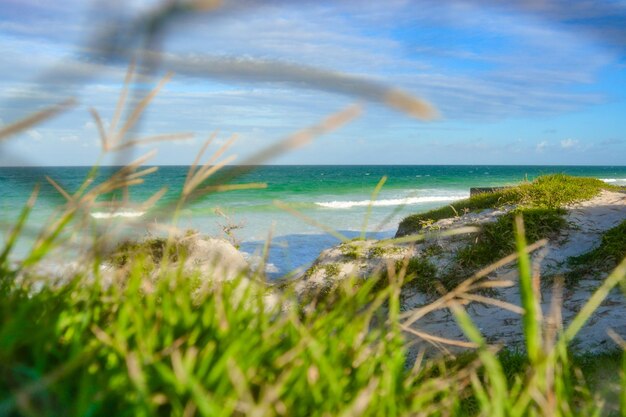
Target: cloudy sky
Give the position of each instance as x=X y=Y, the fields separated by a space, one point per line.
x=543 y=83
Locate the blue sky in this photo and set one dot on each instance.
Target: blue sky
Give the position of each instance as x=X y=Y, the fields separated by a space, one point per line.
x=538 y=83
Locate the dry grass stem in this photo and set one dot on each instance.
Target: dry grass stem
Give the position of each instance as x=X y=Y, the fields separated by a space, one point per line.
x=492 y=301
x=310 y=221
x=139 y=109
x=61 y=191
x=36 y=118
x=439 y=339
x=169 y=137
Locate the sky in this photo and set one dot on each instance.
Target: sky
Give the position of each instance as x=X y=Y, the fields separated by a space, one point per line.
x=536 y=82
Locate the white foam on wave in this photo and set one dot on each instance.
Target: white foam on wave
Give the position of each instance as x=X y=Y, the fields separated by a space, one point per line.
x=389 y=202
x=614 y=180
x=113 y=214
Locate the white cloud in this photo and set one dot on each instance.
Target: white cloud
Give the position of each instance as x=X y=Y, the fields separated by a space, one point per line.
x=34 y=134
x=569 y=143
x=541 y=146
x=70 y=138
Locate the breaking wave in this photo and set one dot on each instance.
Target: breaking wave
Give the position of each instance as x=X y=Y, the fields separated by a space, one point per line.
x=614 y=180
x=110 y=215
x=389 y=202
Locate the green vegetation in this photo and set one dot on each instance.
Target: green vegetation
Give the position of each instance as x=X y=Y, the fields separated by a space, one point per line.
x=330 y=270
x=420 y=274
x=497 y=240
x=602 y=259
x=152 y=248
x=416 y=222
x=433 y=249
x=81 y=349
x=350 y=250
x=558 y=190
x=380 y=251
x=548 y=191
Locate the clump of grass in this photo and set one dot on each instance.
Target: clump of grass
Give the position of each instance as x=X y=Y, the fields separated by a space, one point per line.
x=433 y=250
x=350 y=250
x=558 y=190
x=83 y=350
x=154 y=248
x=331 y=270
x=602 y=259
x=497 y=239
x=416 y=222
x=381 y=251
x=421 y=274
x=547 y=191
x=594 y=372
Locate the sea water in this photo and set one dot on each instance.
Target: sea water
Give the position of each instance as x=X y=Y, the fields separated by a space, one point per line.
x=338 y=198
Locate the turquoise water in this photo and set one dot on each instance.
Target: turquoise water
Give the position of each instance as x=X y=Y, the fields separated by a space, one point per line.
x=336 y=196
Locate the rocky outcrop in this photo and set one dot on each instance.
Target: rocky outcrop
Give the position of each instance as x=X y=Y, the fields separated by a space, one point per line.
x=358 y=258
x=214 y=258
x=207 y=258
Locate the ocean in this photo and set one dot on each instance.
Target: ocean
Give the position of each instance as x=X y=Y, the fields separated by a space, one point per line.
x=337 y=197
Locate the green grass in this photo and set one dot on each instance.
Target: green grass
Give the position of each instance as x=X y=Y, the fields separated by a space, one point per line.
x=548 y=191
x=420 y=274
x=350 y=250
x=90 y=351
x=592 y=373
x=497 y=240
x=414 y=223
x=153 y=248
x=84 y=350
x=381 y=251
x=330 y=270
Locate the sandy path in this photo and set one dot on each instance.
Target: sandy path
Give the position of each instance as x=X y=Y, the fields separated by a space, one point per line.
x=588 y=221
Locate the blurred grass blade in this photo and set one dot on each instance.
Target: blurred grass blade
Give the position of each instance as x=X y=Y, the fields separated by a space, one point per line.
x=60 y=189
x=19 y=225
x=138 y=111
x=36 y=118
x=305 y=218
x=531 y=320
x=168 y=137
x=499 y=399
x=101 y=131
x=375 y=193
x=121 y=101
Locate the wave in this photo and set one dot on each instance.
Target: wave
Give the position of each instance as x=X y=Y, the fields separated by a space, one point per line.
x=390 y=202
x=614 y=180
x=112 y=214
